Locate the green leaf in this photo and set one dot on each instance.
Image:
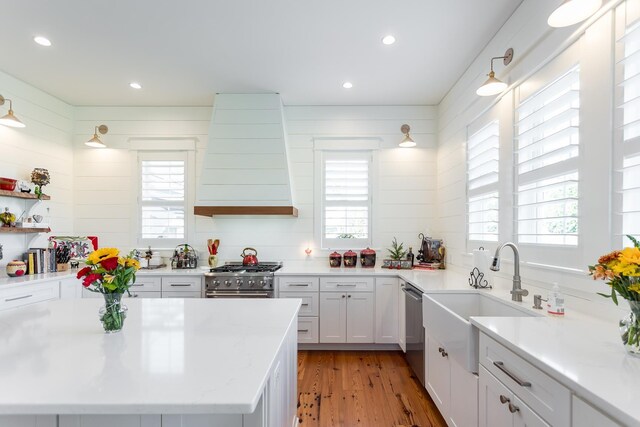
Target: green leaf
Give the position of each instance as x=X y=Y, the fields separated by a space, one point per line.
x=635 y=241
x=614 y=297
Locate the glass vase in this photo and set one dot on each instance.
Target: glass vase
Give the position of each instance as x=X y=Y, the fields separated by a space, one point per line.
x=630 y=329
x=112 y=313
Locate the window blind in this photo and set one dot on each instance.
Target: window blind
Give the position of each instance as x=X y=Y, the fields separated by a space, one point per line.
x=483 y=162
x=629 y=105
x=547 y=150
x=346 y=198
x=162 y=199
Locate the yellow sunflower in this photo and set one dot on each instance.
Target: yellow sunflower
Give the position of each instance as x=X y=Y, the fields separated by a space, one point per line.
x=96 y=256
x=131 y=262
x=630 y=256
x=626 y=269
x=635 y=288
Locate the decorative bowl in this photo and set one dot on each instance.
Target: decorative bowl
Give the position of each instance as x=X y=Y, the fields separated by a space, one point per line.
x=7 y=184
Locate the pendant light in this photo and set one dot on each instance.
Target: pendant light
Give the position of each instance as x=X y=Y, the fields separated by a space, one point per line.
x=407 y=142
x=494 y=86
x=573 y=11
x=9 y=119
x=95 y=141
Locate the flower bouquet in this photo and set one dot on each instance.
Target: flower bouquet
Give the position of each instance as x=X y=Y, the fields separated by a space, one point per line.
x=621 y=269
x=111 y=275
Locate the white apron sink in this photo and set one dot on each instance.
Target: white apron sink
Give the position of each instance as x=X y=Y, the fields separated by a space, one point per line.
x=446 y=318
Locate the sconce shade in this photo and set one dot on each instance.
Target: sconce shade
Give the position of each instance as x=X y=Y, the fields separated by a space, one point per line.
x=95 y=141
x=492 y=86
x=10 y=119
x=573 y=11
x=406 y=142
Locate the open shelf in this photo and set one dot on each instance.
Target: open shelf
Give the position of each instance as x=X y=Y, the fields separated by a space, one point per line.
x=20 y=195
x=24 y=230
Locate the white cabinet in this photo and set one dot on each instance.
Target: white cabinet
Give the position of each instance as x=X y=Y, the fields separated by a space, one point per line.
x=387 y=308
x=438 y=375
x=346 y=317
x=402 y=325
x=347 y=284
x=298 y=284
x=306 y=289
x=146 y=283
x=28 y=421
x=308 y=330
x=110 y=421
x=171 y=283
x=310 y=302
x=70 y=288
x=585 y=415
x=26 y=294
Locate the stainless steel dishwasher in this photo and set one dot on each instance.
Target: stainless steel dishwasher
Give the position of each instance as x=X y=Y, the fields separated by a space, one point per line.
x=414 y=330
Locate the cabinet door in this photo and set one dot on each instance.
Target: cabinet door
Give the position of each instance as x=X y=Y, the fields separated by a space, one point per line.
x=360 y=317
x=463 y=409
x=28 y=421
x=110 y=421
x=70 y=288
x=333 y=317
x=585 y=415
x=386 y=311
x=525 y=417
x=402 y=320
x=439 y=376
x=491 y=394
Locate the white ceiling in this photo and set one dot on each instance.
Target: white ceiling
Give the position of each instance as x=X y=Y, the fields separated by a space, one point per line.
x=183 y=52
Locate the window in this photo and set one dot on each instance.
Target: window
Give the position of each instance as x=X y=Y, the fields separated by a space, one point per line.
x=483 y=162
x=547 y=149
x=630 y=145
x=346 y=199
x=162 y=196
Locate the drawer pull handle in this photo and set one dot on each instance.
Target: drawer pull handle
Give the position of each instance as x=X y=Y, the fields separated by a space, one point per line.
x=303 y=330
x=346 y=285
x=304 y=304
x=181 y=284
x=504 y=399
x=500 y=365
x=513 y=408
x=442 y=351
x=17 y=298
x=299 y=284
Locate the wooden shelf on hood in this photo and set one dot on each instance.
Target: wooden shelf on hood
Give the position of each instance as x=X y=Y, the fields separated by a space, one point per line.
x=245 y=210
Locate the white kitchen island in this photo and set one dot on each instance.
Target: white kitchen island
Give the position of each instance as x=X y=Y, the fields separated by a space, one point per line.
x=177 y=363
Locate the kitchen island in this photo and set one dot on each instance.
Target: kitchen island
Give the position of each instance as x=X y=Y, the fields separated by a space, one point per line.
x=177 y=362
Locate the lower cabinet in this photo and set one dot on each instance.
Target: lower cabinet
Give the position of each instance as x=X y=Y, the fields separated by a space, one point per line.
x=346 y=317
x=402 y=325
x=438 y=375
x=28 y=421
x=110 y=421
x=26 y=294
x=585 y=415
x=308 y=330
x=70 y=288
x=387 y=310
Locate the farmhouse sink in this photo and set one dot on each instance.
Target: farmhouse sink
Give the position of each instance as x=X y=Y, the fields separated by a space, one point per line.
x=446 y=318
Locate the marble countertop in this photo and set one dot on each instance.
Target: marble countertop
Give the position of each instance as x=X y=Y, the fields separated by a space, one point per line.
x=174 y=356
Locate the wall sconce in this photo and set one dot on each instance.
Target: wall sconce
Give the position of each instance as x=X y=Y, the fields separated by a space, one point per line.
x=573 y=11
x=9 y=119
x=407 y=142
x=494 y=86
x=95 y=141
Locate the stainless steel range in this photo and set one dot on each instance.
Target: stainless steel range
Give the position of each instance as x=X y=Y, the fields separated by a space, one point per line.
x=234 y=280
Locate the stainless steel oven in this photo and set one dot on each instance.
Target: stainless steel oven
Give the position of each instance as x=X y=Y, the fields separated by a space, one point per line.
x=414 y=330
x=234 y=280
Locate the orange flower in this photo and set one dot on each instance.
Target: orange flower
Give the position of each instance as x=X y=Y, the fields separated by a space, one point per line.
x=606 y=259
x=599 y=272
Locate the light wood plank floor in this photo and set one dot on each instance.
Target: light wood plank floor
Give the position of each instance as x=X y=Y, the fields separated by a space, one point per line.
x=361 y=388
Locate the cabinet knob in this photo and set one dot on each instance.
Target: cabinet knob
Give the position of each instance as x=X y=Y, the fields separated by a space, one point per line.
x=513 y=408
x=504 y=399
x=343 y=295
x=348 y=296
x=442 y=351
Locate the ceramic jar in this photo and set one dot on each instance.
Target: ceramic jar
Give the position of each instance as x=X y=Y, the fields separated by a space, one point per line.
x=350 y=259
x=16 y=268
x=368 y=258
x=335 y=260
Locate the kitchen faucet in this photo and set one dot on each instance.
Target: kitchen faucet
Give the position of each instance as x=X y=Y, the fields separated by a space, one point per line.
x=516 y=292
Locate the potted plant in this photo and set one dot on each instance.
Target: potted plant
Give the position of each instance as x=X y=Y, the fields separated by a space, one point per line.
x=397 y=255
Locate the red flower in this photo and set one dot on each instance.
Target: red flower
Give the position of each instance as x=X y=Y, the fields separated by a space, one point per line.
x=109 y=263
x=90 y=279
x=83 y=272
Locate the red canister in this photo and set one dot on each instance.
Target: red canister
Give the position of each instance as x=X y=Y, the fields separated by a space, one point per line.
x=368 y=258
x=350 y=259
x=335 y=260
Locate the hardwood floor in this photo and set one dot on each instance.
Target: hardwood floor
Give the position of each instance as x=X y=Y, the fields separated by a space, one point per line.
x=361 y=388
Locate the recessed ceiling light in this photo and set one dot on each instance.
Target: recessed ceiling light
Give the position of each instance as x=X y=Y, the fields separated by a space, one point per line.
x=135 y=85
x=388 y=40
x=347 y=85
x=42 y=41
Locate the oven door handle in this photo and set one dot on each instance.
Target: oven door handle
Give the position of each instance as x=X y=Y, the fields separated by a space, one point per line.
x=237 y=294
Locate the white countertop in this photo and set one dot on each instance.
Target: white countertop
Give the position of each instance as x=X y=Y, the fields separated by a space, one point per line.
x=174 y=356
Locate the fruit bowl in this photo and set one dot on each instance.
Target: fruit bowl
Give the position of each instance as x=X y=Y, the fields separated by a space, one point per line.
x=7 y=184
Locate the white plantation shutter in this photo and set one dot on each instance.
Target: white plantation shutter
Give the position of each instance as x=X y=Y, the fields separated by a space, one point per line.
x=346 y=197
x=547 y=150
x=483 y=161
x=162 y=196
x=629 y=151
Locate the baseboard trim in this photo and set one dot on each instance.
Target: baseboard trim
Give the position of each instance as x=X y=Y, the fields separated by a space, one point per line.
x=350 y=347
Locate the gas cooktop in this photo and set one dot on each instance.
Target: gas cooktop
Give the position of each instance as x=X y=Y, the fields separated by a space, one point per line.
x=237 y=267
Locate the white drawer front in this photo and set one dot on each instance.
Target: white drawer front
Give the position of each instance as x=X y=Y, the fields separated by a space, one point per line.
x=29 y=294
x=182 y=283
x=135 y=293
x=349 y=284
x=146 y=284
x=547 y=397
x=308 y=330
x=310 y=302
x=181 y=294
x=298 y=284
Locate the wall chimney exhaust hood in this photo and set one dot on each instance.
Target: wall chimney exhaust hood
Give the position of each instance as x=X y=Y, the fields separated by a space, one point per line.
x=246 y=168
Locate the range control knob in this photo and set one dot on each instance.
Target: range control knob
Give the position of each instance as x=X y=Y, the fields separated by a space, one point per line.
x=262 y=283
x=238 y=282
x=227 y=282
x=252 y=282
x=216 y=283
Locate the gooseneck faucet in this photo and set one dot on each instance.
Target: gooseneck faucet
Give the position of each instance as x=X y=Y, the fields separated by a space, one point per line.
x=516 y=292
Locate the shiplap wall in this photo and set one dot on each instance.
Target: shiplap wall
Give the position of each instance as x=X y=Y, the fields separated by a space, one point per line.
x=44 y=142
x=105 y=180
x=534 y=43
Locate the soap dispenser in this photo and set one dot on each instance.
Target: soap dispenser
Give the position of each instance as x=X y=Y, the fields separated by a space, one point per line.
x=555 y=303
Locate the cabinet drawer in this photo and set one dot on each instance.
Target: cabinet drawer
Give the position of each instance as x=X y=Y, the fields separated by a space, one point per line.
x=547 y=397
x=181 y=294
x=135 y=293
x=29 y=294
x=182 y=283
x=308 y=330
x=298 y=284
x=349 y=284
x=310 y=302
x=146 y=284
